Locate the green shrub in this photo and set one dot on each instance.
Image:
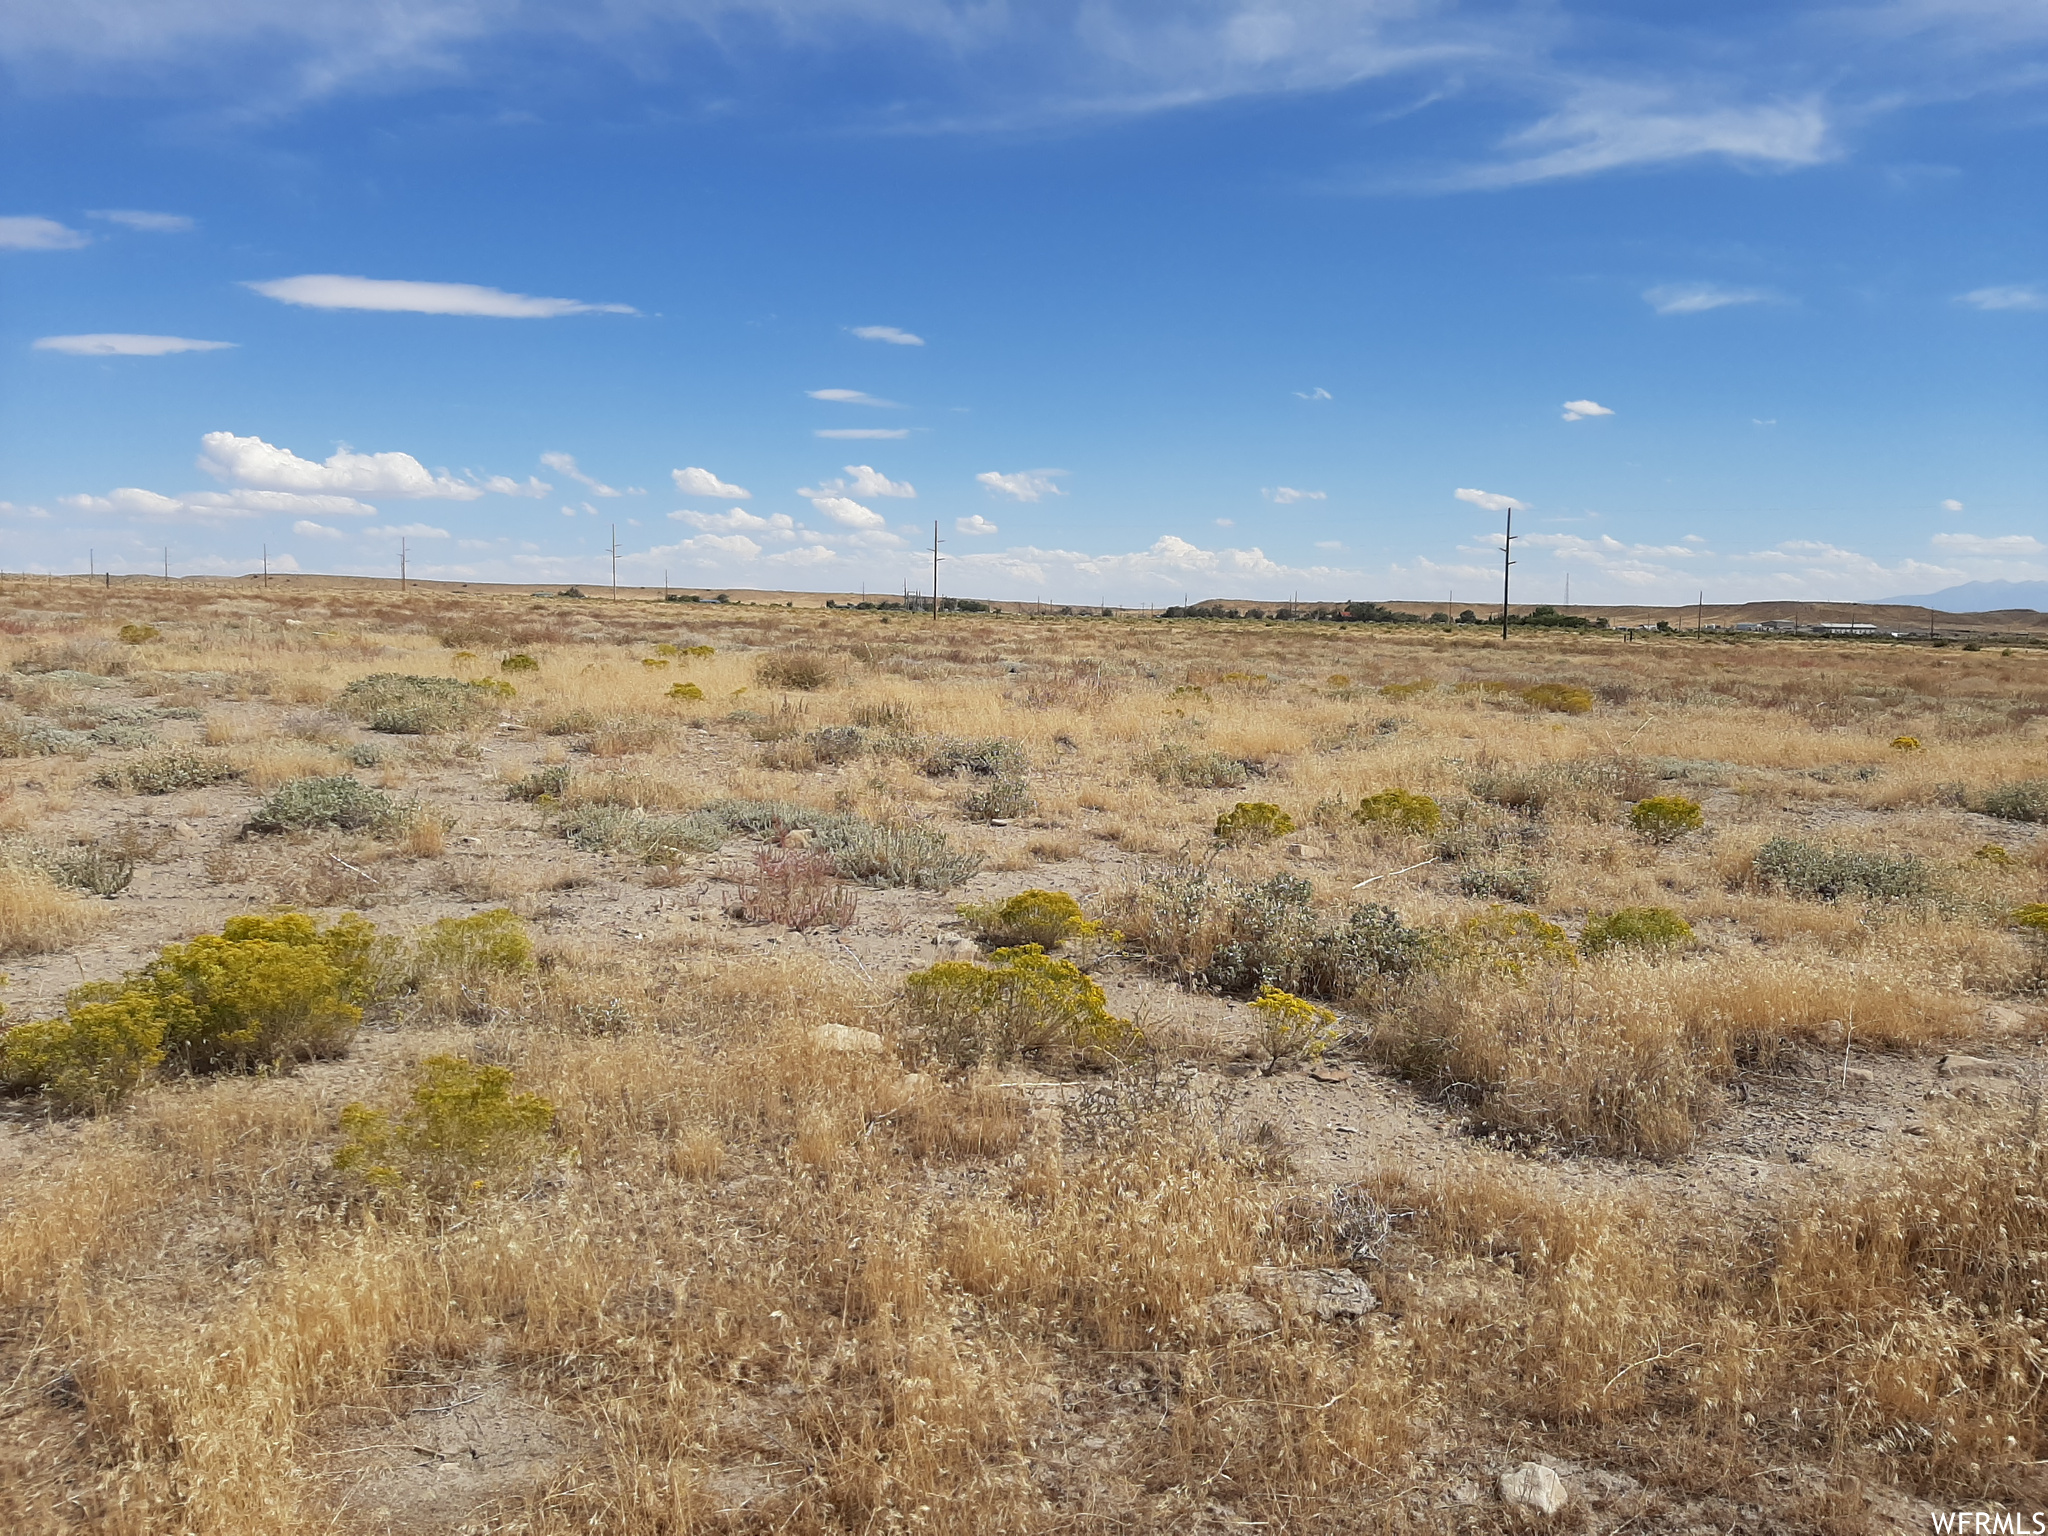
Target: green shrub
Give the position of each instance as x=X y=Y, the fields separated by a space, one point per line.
x=1507 y=882
x=264 y=992
x=1665 y=818
x=138 y=634
x=1004 y=799
x=519 y=661
x=400 y=704
x=339 y=803
x=463 y=1128
x=1292 y=1028
x=1025 y=1001
x=797 y=671
x=1512 y=940
x=1237 y=936
x=1400 y=810
x=1398 y=691
x=2024 y=800
x=996 y=758
x=1823 y=873
x=89 y=1060
x=549 y=783
x=1177 y=763
x=700 y=650
x=2031 y=919
x=94 y=868
x=1253 y=821
x=686 y=691
x=1993 y=853
x=1635 y=928
x=493 y=943
x=1905 y=743
x=1045 y=918
x=1559 y=698
x=166 y=773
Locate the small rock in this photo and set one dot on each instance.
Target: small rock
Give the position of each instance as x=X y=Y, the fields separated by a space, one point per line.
x=957 y=948
x=1234 y=1312
x=472 y=840
x=1330 y=1074
x=1534 y=1486
x=999 y=821
x=1955 y=1064
x=1308 y=852
x=1327 y=1294
x=842 y=1037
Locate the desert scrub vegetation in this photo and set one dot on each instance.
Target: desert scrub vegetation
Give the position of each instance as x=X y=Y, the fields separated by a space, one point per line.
x=1023 y=1002
x=37 y=915
x=2022 y=800
x=1049 y=919
x=461 y=1129
x=1176 y=763
x=264 y=992
x=1399 y=810
x=1824 y=872
x=863 y=851
x=401 y=704
x=797 y=671
x=337 y=803
x=1253 y=821
x=1665 y=818
x=1651 y=929
x=1228 y=934
x=166 y=773
x=752 y=1273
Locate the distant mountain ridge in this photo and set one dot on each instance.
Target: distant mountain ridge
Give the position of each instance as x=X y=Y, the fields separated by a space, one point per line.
x=1980 y=597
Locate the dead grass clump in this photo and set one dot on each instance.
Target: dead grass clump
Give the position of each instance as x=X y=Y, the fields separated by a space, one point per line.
x=1179 y=764
x=37 y=916
x=953 y=1122
x=797 y=888
x=797 y=671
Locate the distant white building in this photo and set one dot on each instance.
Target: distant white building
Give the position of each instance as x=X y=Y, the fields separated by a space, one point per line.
x=1844 y=629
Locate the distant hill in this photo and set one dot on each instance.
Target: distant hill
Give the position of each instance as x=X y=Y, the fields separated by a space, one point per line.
x=1981 y=597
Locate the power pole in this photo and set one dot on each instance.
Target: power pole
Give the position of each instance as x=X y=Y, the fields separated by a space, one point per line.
x=401 y=563
x=266 y=565
x=1699 y=617
x=615 y=562
x=92 y=570
x=1567 y=594
x=1506 y=548
x=664 y=583
x=167 y=562
x=935 y=570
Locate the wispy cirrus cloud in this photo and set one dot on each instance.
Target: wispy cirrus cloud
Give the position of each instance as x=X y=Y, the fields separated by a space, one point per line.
x=142 y=219
x=1698 y=298
x=2007 y=296
x=1997 y=545
x=29 y=232
x=125 y=344
x=888 y=333
x=329 y=290
x=862 y=434
x=851 y=397
x=565 y=464
x=1287 y=495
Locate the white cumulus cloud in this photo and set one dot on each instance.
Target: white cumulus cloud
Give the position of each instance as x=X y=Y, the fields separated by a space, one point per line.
x=140 y=218
x=122 y=344
x=1698 y=298
x=701 y=482
x=328 y=290
x=26 y=232
x=1025 y=484
x=2007 y=296
x=1488 y=501
x=849 y=514
x=505 y=485
x=250 y=461
x=1287 y=495
x=1951 y=505
x=565 y=464
x=307 y=529
x=1579 y=410
x=777 y=525
x=863 y=433
x=888 y=333
x=863 y=480
x=976 y=526
x=850 y=397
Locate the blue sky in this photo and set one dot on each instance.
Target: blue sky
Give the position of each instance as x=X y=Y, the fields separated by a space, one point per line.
x=1134 y=300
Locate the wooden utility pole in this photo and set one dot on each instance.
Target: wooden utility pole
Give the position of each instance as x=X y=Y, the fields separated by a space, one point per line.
x=266 y=565
x=935 y=570
x=1699 y=615
x=615 y=562
x=167 y=562
x=401 y=562
x=1506 y=549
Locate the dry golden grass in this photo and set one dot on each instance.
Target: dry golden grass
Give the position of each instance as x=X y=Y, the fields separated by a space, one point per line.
x=38 y=916
x=766 y=1284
